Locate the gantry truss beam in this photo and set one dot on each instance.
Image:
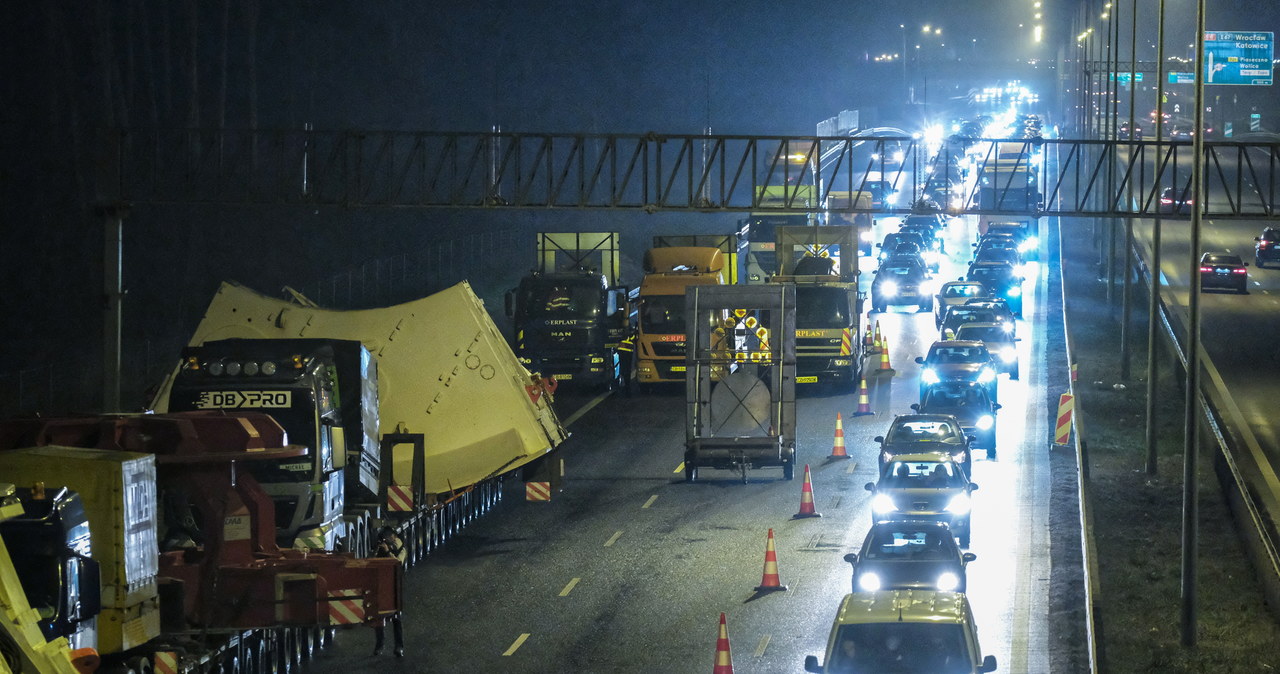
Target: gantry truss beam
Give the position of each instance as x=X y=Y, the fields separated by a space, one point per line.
x=651 y=172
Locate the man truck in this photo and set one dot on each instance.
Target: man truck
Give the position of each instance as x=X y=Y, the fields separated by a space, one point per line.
x=570 y=313
x=660 y=336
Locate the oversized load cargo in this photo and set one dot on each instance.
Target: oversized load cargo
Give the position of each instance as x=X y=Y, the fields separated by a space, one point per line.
x=444 y=372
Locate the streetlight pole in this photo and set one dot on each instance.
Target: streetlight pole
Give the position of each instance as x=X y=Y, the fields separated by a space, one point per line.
x=1154 y=300
x=906 y=85
x=1128 y=222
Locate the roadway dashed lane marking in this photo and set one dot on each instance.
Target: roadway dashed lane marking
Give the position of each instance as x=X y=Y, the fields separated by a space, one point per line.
x=679 y=468
x=585 y=408
x=516 y=646
x=764 y=643
x=853 y=465
x=650 y=501
x=613 y=539
x=569 y=588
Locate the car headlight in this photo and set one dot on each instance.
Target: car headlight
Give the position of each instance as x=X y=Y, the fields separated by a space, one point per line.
x=882 y=504
x=959 y=505
x=891 y=198
x=986 y=376
x=889 y=289
x=869 y=582
x=985 y=422
x=947 y=582
x=929 y=376
x=1015 y=291
x=1007 y=327
x=1008 y=355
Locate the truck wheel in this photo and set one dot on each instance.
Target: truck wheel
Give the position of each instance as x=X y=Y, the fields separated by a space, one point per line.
x=789 y=470
x=690 y=472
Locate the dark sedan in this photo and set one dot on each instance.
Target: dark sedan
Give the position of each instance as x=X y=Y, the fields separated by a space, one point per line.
x=953 y=360
x=1173 y=200
x=1267 y=247
x=916 y=433
x=1220 y=270
x=909 y=556
x=971 y=404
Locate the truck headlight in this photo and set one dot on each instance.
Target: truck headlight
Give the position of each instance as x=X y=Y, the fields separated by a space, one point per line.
x=882 y=504
x=948 y=582
x=215 y=368
x=929 y=376
x=985 y=422
x=959 y=505
x=986 y=376
x=868 y=582
x=268 y=368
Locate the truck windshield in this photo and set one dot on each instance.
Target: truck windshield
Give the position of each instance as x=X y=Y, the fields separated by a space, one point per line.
x=819 y=308
x=662 y=314
x=900 y=647
x=563 y=300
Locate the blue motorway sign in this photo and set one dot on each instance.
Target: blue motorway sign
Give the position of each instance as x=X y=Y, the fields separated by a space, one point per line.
x=1236 y=57
x=1181 y=78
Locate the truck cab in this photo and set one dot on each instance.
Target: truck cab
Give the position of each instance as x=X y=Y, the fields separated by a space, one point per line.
x=570 y=313
x=823 y=265
x=295 y=381
x=661 y=339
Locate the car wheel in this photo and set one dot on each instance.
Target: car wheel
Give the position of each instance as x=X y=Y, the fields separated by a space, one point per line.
x=789 y=470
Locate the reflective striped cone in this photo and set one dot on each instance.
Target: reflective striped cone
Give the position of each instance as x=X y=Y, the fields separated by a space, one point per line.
x=770 y=581
x=724 y=660
x=868 y=341
x=806 y=498
x=864 y=401
x=837 y=447
x=885 y=368
x=879 y=339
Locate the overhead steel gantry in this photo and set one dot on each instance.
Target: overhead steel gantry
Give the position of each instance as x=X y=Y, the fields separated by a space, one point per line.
x=652 y=172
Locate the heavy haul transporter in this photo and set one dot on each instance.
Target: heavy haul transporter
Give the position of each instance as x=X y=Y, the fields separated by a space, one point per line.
x=417 y=411
x=184 y=538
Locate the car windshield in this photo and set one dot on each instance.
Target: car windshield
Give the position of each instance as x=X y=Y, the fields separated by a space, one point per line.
x=899 y=266
x=1222 y=259
x=964 y=290
x=822 y=308
x=924 y=431
x=923 y=220
x=959 y=316
x=900 y=542
x=954 y=398
x=958 y=354
x=995 y=276
x=662 y=314
x=936 y=647
x=922 y=475
x=984 y=333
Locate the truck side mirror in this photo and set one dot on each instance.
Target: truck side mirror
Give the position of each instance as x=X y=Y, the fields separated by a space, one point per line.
x=508 y=303
x=338 y=436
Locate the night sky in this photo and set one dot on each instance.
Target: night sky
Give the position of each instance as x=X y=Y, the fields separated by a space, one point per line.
x=74 y=69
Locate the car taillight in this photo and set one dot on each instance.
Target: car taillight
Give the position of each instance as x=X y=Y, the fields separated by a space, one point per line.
x=1264 y=244
x=1165 y=201
x=1206 y=270
x=1237 y=271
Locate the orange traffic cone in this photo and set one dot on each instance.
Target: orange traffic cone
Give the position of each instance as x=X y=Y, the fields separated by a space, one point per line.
x=724 y=660
x=864 y=403
x=868 y=341
x=879 y=340
x=885 y=368
x=837 y=448
x=806 y=498
x=770 y=581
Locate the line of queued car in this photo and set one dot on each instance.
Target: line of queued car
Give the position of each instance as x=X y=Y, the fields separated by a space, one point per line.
x=908 y=611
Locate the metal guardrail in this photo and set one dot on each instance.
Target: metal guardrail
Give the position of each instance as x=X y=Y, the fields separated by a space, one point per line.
x=1092 y=582
x=1236 y=444
x=653 y=172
